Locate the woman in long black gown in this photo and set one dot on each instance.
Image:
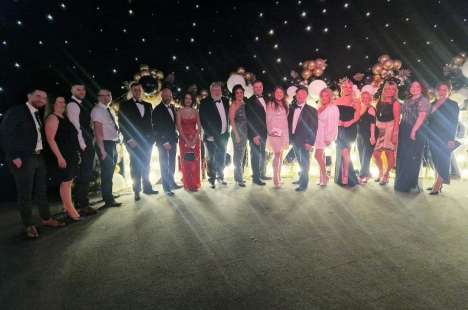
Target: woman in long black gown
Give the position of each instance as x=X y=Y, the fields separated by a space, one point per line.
x=349 y=108
x=366 y=136
x=442 y=127
x=411 y=139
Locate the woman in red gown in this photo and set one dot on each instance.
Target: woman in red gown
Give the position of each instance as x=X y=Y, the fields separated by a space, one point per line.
x=188 y=125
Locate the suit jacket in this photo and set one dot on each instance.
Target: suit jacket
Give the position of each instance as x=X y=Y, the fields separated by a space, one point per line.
x=164 y=127
x=211 y=120
x=132 y=125
x=256 y=118
x=19 y=134
x=306 y=128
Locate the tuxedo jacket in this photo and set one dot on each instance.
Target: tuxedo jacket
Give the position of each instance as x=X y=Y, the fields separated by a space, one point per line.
x=306 y=128
x=256 y=118
x=19 y=134
x=132 y=125
x=211 y=120
x=164 y=127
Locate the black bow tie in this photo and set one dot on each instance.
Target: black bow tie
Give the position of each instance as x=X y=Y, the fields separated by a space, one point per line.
x=299 y=107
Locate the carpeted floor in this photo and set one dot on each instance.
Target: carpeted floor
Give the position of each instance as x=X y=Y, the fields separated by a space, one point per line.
x=252 y=248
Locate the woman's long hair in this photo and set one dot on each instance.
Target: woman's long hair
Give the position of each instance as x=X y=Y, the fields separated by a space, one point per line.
x=283 y=102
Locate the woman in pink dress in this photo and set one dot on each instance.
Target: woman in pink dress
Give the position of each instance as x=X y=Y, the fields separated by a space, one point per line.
x=278 y=132
x=328 y=118
x=188 y=125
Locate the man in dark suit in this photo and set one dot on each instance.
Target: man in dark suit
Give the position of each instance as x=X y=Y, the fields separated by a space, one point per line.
x=303 y=122
x=255 y=110
x=164 y=127
x=214 y=118
x=23 y=142
x=79 y=114
x=137 y=130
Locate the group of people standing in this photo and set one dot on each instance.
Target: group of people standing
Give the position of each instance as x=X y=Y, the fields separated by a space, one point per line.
x=388 y=131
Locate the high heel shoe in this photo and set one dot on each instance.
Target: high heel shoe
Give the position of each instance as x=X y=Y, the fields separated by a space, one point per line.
x=74 y=217
x=384 y=180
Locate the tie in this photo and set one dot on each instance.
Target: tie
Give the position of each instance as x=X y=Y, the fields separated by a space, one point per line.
x=113 y=119
x=38 y=119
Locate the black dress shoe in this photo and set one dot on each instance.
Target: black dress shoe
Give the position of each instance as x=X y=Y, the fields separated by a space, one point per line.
x=434 y=193
x=176 y=186
x=137 y=196
x=87 y=211
x=212 y=183
x=112 y=204
x=296 y=182
x=241 y=184
x=170 y=194
x=300 y=189
x=259 y=182
x=150 y=192
x=222 y=182
x=265 y=178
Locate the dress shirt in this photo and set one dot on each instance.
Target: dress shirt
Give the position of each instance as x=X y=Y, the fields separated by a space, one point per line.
x=34 y=111
x=222 y=114
x=168 y=107
x=73 y=114
x=140 y=107
x=103 y=114
x=297 y=114
x=262 y=101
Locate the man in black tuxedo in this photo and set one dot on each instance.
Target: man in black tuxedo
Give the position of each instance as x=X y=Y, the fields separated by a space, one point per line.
x=164 y=127
x=79 y=114
x=303 y=122
x=214 y=118
x=255 y=110
x=137 y=131
x=23 y=142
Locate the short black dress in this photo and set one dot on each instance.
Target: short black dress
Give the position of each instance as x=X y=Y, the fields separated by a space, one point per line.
x=67 y=142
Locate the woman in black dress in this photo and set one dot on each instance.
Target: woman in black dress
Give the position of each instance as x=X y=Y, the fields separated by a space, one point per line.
x=366 y=136
x=349 y=108
x=411 y=139
x=62 y=139
x=442 y=127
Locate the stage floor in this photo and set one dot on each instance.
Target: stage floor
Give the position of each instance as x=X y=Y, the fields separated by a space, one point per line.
x=250 y=248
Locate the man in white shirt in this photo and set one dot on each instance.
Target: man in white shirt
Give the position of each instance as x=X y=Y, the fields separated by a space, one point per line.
x=214 y=118
x=23 y=144
x=106 y=132
x=79 y=114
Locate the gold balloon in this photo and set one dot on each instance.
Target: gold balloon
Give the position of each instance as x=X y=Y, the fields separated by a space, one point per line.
x=311 y=65
x=136 y=77
x=458 y=60
x=383 y=58
x=318 y=72
x=306 y=74
x=377 y=69
x=397 y=64
x=241 y=70
x=462 y=54
x=388 y=64
x=159 y=75
x=385 y=73
x=320 y=63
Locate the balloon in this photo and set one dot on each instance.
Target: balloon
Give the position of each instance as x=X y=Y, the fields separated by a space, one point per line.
x=458 y=98
x=369 y=89
x=311 y=65
x=385 y=73
x=316 y=87
x=383 y=58
x=318 y=72
x=462 y=54
x=305 y=64
x=291 y=91
x=388 y=64
x=159 y=75
x=148 y=83
x=458 y=60
x=377 y=69
x=306 y=74
x=248 y=91
x=397 y=64
x=235 y=79
x=320 y=63
x=241 y=70
x=464 y=69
